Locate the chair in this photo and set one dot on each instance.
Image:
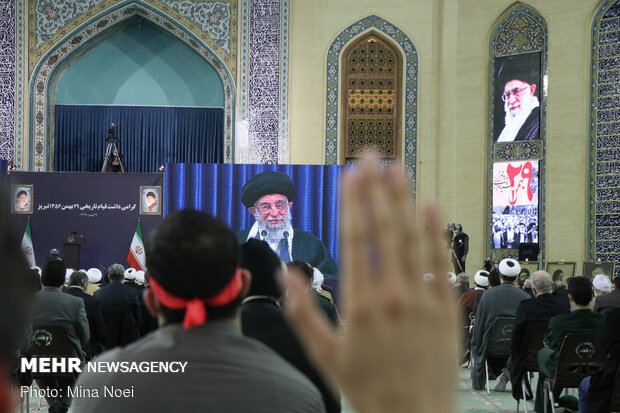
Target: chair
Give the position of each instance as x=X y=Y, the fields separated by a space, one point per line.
x=534 y=344
x=580 y=356
x=615 y=397
x=498 y=342
x=49 y=341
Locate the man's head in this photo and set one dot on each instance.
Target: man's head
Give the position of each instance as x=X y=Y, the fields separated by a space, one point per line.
x=579 y=291
x=494 y=279
x=602 y=284
x=509 y=269
x=116 y=272
x=53 y=273
x=268 y=197
x=541 y=283
x=78 y=279
x=150 y=197
x=616 y=284
x=264 y=265
x=518 y=77
x=303 y=269
x=193 y=255
x=22 y=199
x=481 y=279
x=463 y=279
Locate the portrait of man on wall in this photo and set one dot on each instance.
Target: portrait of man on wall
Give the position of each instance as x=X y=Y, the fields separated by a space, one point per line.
x=518 y=88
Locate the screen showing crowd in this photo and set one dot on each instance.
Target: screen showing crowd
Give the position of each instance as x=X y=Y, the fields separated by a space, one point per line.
x=515 y=204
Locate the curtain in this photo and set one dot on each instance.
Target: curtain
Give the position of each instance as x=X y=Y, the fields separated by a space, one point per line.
x=149 y=136
x=216 y=189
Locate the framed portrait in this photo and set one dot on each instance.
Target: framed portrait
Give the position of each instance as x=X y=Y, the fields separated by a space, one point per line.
x=22 y=199
x=592 y=268
x=150 y=200
x=517 y=85
x=528 y=268
x=561 y=270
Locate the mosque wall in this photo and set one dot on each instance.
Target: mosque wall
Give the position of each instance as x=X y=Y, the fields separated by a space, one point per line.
x=452 y=41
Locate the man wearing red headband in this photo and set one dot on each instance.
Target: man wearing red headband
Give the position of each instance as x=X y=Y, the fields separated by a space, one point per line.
x=196 y=291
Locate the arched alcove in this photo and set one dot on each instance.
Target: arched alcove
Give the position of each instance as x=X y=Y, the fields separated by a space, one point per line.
x=50 y=66
x=139 y=64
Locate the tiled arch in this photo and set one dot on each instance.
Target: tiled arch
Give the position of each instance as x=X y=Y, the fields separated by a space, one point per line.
x=41 y=121
x=411 y=88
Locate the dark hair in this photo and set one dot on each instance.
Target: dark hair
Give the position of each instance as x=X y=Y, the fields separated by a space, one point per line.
x=580 y=288
x=303 y=267
x=257 y=257
x=493 y=277
x=78 y=278
x=53 y=273
x=20 y=193
x=520 y=282
x=616 y=282
x=192 y=254
x=151 y=194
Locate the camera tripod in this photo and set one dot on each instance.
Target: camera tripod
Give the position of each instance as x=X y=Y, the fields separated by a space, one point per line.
x=111 y=151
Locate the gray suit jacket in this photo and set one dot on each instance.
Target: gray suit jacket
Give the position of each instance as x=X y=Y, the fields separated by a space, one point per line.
x=52 y=307
x=607 y=302
x=225 y=372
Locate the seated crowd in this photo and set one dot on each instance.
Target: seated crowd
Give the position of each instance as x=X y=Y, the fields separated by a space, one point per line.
x=256 y=337
x=554 y=312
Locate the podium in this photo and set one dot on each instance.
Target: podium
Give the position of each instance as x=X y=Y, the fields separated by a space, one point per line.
x=71 y=247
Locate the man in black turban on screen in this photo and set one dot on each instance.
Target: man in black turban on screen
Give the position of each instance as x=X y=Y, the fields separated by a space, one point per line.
x=268 y=196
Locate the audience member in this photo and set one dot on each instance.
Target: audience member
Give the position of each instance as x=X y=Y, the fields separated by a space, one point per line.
x=94 y=277
x=595 y=392
x=121 y=310
x=496 y=302
x=580 y=320
x=130 y=281
x=304 y=269
x=607 y=302
x=530 y=312
x=34 y=280
x=78 y=283
x=467 y=302
x=601 y=285
x=52 y=307
x=379 y=360
x=527 y=287
x=196 y=288
x=263 y=320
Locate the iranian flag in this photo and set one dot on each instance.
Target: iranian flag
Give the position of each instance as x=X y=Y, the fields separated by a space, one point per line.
x=136 y=257
x=27 y=246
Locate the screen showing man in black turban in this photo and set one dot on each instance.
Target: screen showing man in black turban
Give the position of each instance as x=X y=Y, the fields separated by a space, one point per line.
x=269 y=198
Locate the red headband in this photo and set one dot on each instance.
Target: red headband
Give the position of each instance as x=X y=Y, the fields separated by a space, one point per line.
x=195 y=311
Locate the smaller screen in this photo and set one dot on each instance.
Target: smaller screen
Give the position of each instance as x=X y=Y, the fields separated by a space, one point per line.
x=515 y=204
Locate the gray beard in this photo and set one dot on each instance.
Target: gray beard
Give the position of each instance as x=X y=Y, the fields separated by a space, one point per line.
x=276 y=233
x=516 y=121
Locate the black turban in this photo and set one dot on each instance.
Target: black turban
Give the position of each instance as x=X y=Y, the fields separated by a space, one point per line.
x=524 y=67
x=267 y=183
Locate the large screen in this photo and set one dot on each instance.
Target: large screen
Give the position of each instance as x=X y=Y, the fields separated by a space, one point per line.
x=517 y=85
x=515 y=204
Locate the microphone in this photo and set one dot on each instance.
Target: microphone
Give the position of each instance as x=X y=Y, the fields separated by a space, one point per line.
x=285 y=233
x=263 y=233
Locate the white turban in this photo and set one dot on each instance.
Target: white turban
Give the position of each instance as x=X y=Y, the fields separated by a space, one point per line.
x=451 y=278
x=130 y=274
x=601 y=282
x=509 y=267
x=94 y=275
x=482 y=278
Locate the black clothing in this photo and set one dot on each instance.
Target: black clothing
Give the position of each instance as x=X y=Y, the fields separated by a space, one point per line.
x=460 y=245
x=262 y=319
x=602 y=383
x=121 y=312
x=94 y=314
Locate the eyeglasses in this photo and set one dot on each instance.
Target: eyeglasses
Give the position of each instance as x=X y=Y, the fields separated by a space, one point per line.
x=514 y=92
x=266 y=207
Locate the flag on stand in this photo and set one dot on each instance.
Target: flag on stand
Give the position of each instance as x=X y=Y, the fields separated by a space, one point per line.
x=136 y=257
x=27 y=246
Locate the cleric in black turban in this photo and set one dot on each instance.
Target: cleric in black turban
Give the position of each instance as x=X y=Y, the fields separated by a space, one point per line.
x=267 y=183
x=268 y=197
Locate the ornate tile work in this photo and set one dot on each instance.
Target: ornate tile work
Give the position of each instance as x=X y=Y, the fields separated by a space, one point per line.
x=212 y=17
x=7 y=78
x=513 y=151
x=520 y=29
x=20 y=82
x=410 y=97
x=213 y=22
x=604 y=233
x=262 y=127
x=41 y=122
